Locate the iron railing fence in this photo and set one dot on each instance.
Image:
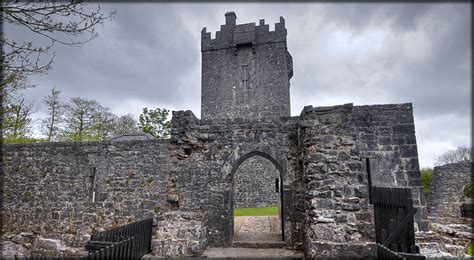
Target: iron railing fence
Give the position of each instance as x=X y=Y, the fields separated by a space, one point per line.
x=131 y=241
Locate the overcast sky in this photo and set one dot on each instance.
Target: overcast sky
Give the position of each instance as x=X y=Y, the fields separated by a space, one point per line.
x=149 y=56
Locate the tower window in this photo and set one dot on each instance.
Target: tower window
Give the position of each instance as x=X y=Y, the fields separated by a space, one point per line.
x=245 y=76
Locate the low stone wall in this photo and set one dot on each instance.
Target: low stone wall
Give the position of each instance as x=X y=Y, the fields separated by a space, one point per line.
x=447 y=190
x=27 y=244
x=180 y=233
x=449 y=233
x=443 y=239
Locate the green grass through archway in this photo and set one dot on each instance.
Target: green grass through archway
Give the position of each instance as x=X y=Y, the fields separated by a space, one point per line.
x=266 y=211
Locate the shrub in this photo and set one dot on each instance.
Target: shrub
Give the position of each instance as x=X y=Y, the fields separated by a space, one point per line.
x=469 y=191
x=426 y=178
x=470 y=249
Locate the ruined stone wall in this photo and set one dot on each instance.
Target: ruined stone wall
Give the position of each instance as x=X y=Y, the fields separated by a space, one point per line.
x=385 y=134
x=254 y=184
x=447 y=189
x=48 y=186
x=320 y=156
x=246 y=71
x=338 y=215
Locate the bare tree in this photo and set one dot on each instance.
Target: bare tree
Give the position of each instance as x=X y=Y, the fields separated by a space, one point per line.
x=125 y=124
x=13 y=83
x=461 y=154
x=54 y=109
x=80 y=118
x=67 y=23
x=104 y=123
x=87 y=120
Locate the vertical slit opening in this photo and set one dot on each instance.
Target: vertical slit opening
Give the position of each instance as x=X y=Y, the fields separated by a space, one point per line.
x=369 y=178
x=277 y=185
x=93 y=179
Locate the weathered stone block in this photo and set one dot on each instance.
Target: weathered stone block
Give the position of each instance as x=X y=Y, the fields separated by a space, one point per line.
x=47 y=247
x=13 y=250
x=180 y=234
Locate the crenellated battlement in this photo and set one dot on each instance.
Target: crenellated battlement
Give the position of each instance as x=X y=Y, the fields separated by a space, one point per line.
x=232 y=35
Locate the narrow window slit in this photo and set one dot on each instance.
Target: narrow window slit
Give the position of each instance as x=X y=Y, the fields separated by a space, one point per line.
x=245 y=76
x=369 y=179
x=277 y=185
x=93 y=180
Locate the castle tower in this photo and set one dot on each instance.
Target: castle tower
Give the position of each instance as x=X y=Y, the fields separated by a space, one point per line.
x=246 y=71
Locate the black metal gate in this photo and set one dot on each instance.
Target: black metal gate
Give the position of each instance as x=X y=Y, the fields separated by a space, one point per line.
x=131 y=241
x=394 y=224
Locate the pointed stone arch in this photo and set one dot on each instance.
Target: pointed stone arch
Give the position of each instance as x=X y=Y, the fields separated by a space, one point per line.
x=240 y=154
x=252 y=154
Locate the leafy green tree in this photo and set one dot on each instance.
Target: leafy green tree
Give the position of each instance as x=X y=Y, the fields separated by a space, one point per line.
x=155 y=122
x=54 y=107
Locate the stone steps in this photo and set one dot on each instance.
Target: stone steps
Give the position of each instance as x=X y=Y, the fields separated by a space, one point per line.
x=251 y=253
x=258 y=244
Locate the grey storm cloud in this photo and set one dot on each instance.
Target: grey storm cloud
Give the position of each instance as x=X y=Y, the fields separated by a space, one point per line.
x=361 y=53
x=143 y=52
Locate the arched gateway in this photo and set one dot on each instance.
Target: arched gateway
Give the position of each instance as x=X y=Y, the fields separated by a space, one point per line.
x=281 y=173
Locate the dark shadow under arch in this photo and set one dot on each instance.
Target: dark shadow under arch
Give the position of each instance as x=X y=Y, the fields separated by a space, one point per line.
x=236 y=165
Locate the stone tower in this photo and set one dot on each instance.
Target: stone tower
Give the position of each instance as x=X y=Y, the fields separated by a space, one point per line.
x=246 y=71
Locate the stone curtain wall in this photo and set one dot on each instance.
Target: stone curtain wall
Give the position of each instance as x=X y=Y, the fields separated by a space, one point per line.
x=48 y=187
x=386 y=135
x=254 y=184
x=338 y=216
x=447 y=194
x=320 y=156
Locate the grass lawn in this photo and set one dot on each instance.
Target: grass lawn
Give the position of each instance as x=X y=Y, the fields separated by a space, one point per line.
x=268 y=211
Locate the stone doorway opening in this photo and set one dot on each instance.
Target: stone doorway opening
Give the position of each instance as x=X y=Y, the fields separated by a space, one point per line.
x=257 y=200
